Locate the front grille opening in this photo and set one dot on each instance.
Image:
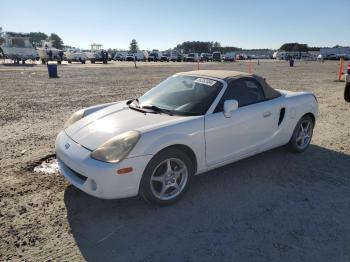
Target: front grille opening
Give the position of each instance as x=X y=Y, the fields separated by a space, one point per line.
x=73 y=173
x=79 y=176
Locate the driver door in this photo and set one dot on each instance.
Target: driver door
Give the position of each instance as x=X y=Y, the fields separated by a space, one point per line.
x=247 y=130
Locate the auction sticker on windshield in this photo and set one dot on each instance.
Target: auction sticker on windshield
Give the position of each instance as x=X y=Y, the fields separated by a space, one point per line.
x=205 y=81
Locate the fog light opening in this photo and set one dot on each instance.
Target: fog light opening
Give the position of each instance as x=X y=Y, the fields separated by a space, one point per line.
x=93 y=185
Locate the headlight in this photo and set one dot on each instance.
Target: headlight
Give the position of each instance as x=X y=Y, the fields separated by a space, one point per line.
x=117 y=148
x=74 y=118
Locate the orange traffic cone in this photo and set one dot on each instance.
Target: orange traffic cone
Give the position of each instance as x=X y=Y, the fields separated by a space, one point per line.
x=250 y=67
x=341 y=65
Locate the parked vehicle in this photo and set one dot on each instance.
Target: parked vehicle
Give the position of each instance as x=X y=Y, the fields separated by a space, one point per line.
x=188 y=124
x=280 y=55
x=320 y=57
x=205 y=57
x=139 y=56
x=217 y=56
x=49 y=53
x=192 y=57
x=98 y=56
x=120 y=56
x=175 y=56
x=75 y=56
x=165 y=57
x=154 y=56
x=230 y=57
x=130 y=57
x=241 y=57
x=16 y=46
x=331 y=57
x=344 y=56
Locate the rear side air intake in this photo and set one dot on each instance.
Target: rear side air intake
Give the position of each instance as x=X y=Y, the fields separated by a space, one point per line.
x=282 y=113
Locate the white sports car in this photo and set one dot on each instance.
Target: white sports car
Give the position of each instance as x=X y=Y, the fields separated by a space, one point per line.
x=188 y=124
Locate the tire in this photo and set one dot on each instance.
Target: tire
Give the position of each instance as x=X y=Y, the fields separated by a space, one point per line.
x=160 y=184
x=347 y=92
x=83 y=61
x=302 y=135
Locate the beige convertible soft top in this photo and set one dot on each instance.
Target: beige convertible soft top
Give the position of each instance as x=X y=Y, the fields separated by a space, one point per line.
x=229 y=76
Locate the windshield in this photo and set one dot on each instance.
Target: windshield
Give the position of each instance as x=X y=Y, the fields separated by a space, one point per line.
x=183 y=95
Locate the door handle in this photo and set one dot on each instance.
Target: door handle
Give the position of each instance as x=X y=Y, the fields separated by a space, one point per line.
x=267 y=114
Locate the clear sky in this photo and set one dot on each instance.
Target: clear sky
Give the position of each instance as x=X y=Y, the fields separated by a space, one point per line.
x=162 y=24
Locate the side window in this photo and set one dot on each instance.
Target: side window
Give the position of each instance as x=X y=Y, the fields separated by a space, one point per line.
x=255 y=91
x=246 y=91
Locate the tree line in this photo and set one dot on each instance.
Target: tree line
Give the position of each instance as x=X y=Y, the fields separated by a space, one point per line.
x=37 y=37
x=209 y=47
x=185 y=47
x=204 y=47
x=296 y=47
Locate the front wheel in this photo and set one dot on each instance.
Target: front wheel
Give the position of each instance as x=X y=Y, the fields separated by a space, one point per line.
x=302 y=135
x=166 y=177
x=347 y=92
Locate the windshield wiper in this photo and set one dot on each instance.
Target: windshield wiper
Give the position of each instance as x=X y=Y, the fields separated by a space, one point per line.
x=158 y=109
x=137 y=105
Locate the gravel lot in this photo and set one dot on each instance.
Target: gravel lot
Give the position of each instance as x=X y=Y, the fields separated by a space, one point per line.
x=276 y=206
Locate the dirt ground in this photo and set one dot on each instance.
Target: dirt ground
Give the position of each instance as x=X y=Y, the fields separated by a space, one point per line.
x=276 y=206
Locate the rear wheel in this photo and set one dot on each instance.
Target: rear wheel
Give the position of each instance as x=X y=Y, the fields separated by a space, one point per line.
x=302 y=135
x=166 y=177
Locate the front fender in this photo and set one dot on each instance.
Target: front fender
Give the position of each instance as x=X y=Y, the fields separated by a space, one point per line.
x=190 y=134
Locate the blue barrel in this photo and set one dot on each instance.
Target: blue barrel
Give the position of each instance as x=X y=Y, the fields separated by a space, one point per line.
x=291 y=62
x=52 y=69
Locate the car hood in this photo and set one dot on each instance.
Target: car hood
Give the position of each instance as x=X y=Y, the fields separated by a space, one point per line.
x=97 y=128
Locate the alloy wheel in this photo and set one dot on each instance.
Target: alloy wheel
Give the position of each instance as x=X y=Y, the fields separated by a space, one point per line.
x=169 y=179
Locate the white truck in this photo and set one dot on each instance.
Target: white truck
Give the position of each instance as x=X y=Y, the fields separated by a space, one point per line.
x=75 y=56
x=120 y=56
x=154 y=56
x=192 y=57
x=47 y=52
x=17 y=47
x=175 y=56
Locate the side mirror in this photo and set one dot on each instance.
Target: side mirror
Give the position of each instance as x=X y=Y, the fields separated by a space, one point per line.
x=229 y=107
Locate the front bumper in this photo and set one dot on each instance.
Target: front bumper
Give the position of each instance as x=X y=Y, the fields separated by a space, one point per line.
x=94 y=177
